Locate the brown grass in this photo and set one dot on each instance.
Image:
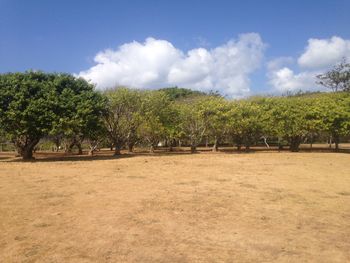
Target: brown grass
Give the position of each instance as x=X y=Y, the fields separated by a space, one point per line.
x=261 y=207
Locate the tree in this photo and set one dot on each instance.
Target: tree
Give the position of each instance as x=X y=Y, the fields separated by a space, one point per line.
x=175 y=93
x=193 y=122
x=288 y=116
x=123 y=118
x=246 y=125
x=27 y=108
x=336 y=79
x=37 y=104
x=155 y=114
x=80 y=110
x=336 y=116
x=213 y=109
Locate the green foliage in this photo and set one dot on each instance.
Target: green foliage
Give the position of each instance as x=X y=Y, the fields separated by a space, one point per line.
x=123 y=118
x=156 y=112
x=175 y=93
x=246 y=123
x=193 y=122
x=335 y=115
x=213 y=109
x=37 y=104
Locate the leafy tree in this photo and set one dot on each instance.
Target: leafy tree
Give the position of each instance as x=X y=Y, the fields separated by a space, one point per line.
x=245 y=123
x=336 y=79
x=193 y=122
x=123 y=118
x=175 y=93
x=336 y=115
x=27 y=108
x=289 y=115
x=80 y=111
x=314 y=117
x=155 y=114
x=36 y=104
x=213 y=109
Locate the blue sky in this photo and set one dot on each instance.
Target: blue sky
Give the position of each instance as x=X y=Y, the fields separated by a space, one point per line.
x=266 y=41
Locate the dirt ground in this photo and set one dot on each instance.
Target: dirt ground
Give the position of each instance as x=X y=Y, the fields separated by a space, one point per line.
x=208 y=207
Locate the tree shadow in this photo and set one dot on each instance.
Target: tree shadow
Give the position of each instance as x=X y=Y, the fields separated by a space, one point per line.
x=5 y=157
x=44 y=157
x=160 y=152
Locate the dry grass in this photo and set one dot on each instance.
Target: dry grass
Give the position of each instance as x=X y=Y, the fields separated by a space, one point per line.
x=260 y=207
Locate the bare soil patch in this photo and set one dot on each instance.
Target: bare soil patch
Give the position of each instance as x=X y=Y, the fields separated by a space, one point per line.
x=260 y=207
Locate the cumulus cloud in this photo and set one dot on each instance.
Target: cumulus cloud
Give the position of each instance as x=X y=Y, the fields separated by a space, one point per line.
x=279 y=62
x=285 y=79
x=319 y=55
x=157 y=63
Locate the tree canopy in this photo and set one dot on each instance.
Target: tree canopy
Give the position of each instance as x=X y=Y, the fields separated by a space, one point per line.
x=38 y=104
x=67 y=110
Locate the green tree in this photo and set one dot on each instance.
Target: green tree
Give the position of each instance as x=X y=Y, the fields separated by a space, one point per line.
x=155 y=114
x=37 y=104
x=79 y=112
x=175 y=93
x=288 y=116
x=193 y=122
x=246 y=124
x=27 y=108
x=336 y=115
x=123 y=118
x=214 y=111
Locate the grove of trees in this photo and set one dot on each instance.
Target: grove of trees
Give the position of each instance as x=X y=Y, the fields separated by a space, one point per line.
x=37 y=106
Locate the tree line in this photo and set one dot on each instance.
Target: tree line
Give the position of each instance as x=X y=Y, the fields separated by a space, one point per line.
x=69 y=112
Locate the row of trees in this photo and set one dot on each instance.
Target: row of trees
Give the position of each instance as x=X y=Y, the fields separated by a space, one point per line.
x=68 y=111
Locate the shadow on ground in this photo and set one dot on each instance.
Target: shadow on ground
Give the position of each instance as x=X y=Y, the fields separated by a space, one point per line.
x=109 y=155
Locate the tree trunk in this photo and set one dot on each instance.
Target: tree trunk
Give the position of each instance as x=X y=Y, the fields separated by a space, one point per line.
x=215 y=146
x=151 y=149
x=336 y=142
x=70 y=148
x=239 y=147
x=206 y=141
x=280 y=144
x=80 y=149
x=26 y=150
x=130 y=147
x=311 y=141
x=27 y=154
x=265 y=141
x=193 y=148
x=117 y=150
x=247 y=148
x=330 y=142
x=295 y=143
x=57 y=144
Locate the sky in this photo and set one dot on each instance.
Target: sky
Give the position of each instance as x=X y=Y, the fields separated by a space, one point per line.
x=238 y=48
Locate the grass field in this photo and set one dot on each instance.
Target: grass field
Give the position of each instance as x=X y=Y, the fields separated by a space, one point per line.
x=258 y=207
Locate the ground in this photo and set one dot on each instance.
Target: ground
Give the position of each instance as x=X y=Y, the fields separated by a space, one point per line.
x=207 y=207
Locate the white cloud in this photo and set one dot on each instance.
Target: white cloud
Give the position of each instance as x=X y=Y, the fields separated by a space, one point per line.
x=318 y=57
x=285 y=79
x=279 y=62
x=321 y=53
x=157 y=63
